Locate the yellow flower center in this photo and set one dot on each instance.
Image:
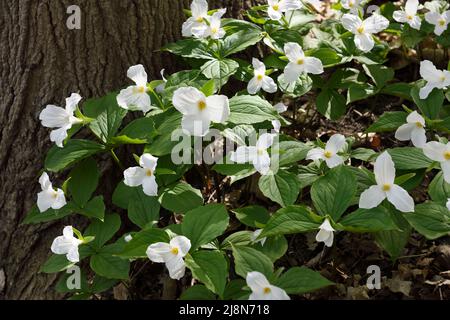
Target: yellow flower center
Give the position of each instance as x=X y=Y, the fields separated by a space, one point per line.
x=55 y=195
x=149 y=173
x=442 y=22
x=300 y=61
x=276 y=7
x=442 y=78
x=174 y=251
x=419 y=125
x=214 y=30
x=409 y=17
x=386 y=187
x=328 y=154
x=139 y=89
x=260 y=77
x=351 y=4
x=360 y=29
x=260 y=152
x=267 y=290
x=199 y=19
x=447 y=155
x=201 y=105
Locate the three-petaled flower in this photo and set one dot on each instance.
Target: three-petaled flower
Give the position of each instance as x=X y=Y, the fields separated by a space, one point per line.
x=262 y=289
x=278 y=7
x=435 y=78
x=440 y=21
x=260 y=80
x=354 y=6
x=199 y=111
x=214 y=29
x=257 y=155
x=386 y=188
x=409 y=15
x=196 y=25
x=61 y=118
x=363 y=30
x=136 y=98
x=439 y=152
x=143 y=175
x=413 y=130
x=326 y=233
x=49 y=197
x=172 y=254
x=67 y=244
x=299 y=63
x=335 y=144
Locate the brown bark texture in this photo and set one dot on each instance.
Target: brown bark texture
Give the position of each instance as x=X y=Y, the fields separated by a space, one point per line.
x=42 y=62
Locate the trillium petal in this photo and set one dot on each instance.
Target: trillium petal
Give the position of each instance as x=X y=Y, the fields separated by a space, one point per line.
x=182 y=243
x=218 y=108
x=315 y=154
x=375 y=23
x=148 y=161
x=73 y=254
x=293 y=52
x=313 y=65
x=336 y=143
x=435 y=151
x=195 y=125
x=414 y=117
x=138 y=74
x=415 y=23
x=269 y=85
x=72 y=102
x=372 y=197
x=428 y=71
x=280 y=107
x=364 y=42
x=400 y=16
x=134 y=176
x=45 y=200
x=274 y=14
x=446 y=170
x=351 y=22
x=150 y=186
x=334 y=161
x=277 y=294
x=200 y=30
x=158 y=252
x=287 y=5
x=403 y=132
x=400 y=198
x=176 y=267
x=243 y=154
x=265 y=141
x=68 y=232
x=199 y=8
x=326 y=237
x=256 y=281
x=276 y=124
x=54 y=117
x=132 y=99
x=258 y=66
x=187 y=27
x=45 y=182
x=411 y=7
x=58 y=136
x=425 y=91
x=419 y=137
x=262 y=163
x=254 y=85
x=448 y=204
x=293 y=71
x=59 y=201
x=186 y=100
x=384 y=169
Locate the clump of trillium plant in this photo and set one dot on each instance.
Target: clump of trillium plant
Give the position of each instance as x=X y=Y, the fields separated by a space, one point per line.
x=332 y=58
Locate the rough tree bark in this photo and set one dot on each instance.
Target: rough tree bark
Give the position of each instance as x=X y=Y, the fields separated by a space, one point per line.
x=42 y=62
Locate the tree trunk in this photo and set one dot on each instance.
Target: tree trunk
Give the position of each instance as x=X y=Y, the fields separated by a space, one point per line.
x=42 y=62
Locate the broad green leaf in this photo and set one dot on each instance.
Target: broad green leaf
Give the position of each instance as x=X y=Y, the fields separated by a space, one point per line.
x=234 y=290
x=251 y=110
x=409 y=158
x=83 y=181
x=95 y=208
x=290 y=220
x=252 y=216
x=333 y=193
x=379 y=74
x=180 y=197
x=292 y=151
x=394 y=241
x=204 y=224
x=197 y=292
x=363 y=154
x=34 y=216
x=400 y=89
x=140 y=241
x=240 y=40
x=430 y=219
x=235 y=171
x=430 y=106
x=274 y=247
x=282 y=188
x=57 y=263
x=141 y=129
x=368 y=220
x=300 y=280
x=110 y=266
x=219 y=69
x=248 y=260
x=210 y=268
x=143 y=210
x=328 y=56
x=357 y=92
x=439 y=190
x=189 y=48
x=240 y=238
x=75 y=150
x=103 y=231
x=331 y=104
x=389 y=121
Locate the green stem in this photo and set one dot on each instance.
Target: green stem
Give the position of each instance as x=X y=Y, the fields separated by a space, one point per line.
x=158 y=99
x=117 y=160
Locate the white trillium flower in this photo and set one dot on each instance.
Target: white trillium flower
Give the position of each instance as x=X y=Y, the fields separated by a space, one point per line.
x=326 y=233
x=199 y=111
x=260 y=80
x=439 y=152
x=257 y=155
x=136 y=98
x=409 y=15
x=214 y=29
x=281 y=108
x=262 y=289
x=49 y=197
x=386 y=188
x=196 y=25
x=67 y=244
x=299 y=63
x=278 y=7
x=61 y=118
x=143 y=175
x=354 y=6
x=440 y=21
x=330 y=153
x=255 y=236
x=363 y=30
x=435 y=78
x=413 y=130
x=171 y=254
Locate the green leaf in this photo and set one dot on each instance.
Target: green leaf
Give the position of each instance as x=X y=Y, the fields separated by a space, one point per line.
x=235 y=171
x=240 y=238
x=439 y=190
x=234 y=290
x=94 y=208
x=282 y=188
x=430 y=106
x=108 y=116
x=180 y=197
x=389 y=121
x=240 y=40
x=248 y=259
x=103 y=231
x=430 y=219
x=204 y=224
x=368 y=220
x=274 y=247
x=363 y=154
x=75 y=150
x=107 y=265
x=142 y=129
x=379 y=74
x=333 y=193
x=300 y=280
x=331 y=104
x=83 y=181
x=409 y=158
x=143 y=210
x=57 y=263
x=140 y=241
x=295 y=89
x=189 y=48
x=357 y=92
x=401 y=90
x=209 y=267
x=290 y=220
x=292 y=152
x=220 y=69
x=251 y=110
x=252 y=216
x=197 y=292
x=34 y=216
x=328 y=56
x=394 y=241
